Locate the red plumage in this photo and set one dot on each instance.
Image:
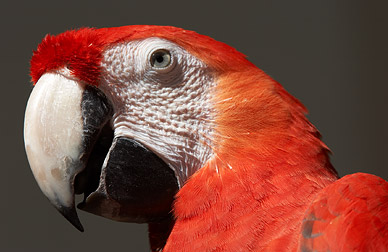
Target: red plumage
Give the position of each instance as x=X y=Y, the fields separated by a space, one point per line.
x=348 y=215
x=253 y=195
x=81 y=50
x=270 y=185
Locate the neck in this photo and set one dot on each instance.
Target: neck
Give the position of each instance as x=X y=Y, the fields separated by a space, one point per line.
x=253 y=206
x=251 y=196
x=268 y=165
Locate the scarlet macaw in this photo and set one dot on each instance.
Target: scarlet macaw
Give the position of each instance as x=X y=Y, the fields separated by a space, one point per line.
x=165 y=126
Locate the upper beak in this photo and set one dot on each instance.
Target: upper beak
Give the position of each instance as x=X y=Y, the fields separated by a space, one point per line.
x=71 y=149
x=57 y=136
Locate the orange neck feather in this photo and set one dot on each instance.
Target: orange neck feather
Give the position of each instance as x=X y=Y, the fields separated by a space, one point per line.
x=269 y=163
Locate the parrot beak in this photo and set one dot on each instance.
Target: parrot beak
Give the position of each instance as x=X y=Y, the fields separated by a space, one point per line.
x=71 y=149
x=56 y=137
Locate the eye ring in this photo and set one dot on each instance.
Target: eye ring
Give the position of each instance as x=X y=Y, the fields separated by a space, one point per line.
x=161 y=59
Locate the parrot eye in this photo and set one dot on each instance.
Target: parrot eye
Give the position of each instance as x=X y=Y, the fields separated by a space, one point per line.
x=160 y=58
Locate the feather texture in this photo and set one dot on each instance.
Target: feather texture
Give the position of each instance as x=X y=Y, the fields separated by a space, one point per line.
x=268 y=166
x=348 y=215
x=81 y=50
x=269 y=185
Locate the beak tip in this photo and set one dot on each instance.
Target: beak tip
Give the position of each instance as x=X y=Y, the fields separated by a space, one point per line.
x=71 y=215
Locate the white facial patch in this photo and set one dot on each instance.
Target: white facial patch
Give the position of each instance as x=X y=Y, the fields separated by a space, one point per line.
x=166 y=109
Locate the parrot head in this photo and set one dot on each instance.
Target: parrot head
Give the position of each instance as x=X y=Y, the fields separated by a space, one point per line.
x=125 y=116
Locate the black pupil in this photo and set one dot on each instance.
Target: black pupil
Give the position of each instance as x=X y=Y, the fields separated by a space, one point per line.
x=159 y=57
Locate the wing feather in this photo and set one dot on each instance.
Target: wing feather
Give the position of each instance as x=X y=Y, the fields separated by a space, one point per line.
x=349 y=215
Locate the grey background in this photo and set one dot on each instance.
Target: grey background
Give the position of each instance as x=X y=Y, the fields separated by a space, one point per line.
x=332 y=55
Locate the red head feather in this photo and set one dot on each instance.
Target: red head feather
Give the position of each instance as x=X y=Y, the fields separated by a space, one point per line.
x=81 y=50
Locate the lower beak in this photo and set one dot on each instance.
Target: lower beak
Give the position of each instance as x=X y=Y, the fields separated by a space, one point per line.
x=72 y=149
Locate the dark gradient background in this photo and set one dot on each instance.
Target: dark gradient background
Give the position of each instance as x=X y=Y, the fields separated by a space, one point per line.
x=332 y=55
